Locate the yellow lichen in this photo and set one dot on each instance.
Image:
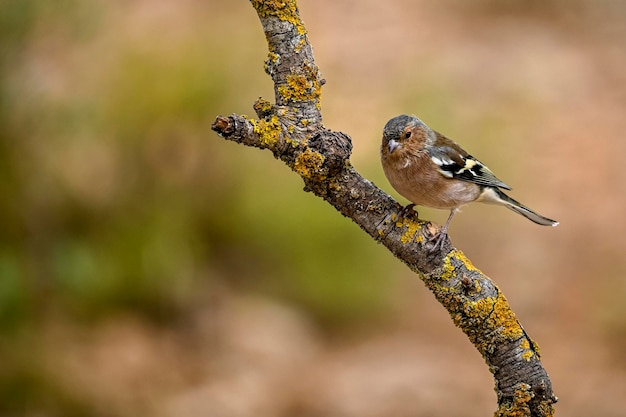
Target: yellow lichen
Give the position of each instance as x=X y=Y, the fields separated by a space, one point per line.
x=301 y=43
x=268 y=129
x=263 y=106
x=285 y=10
x=461 y=257
x=524 y=344
x=334 y=185
x=487 y=315
x=449 y=270
x=308 y=163
x=487 y=321
x=496 y=314
x=546 y=408
x=301 y=87
x=481 y=308
x=536 y=348
x=272 y=59
x=504 y=318
x=412 y=227
x=520 y=404
x=528 y=352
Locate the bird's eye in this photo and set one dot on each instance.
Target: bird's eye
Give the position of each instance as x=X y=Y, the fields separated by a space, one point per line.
x=407 y=134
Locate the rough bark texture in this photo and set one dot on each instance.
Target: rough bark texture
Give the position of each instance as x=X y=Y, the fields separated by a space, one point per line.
x=292 y=130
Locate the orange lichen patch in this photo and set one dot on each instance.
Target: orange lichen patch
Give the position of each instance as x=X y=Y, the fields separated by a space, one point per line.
x=412 y=227
x=273 y=59
x=334 y=185
x=285 y=10
x=268 y=129
x=448 y=268
x=520 y=404
x=504 y=319
x=536 y=348
x=308 y=163
x=451 y=264
x=486 y=320
x=546 y=408
x=302 y=87
x=527 y=355
x=528 y=352
x=466 y=262
x=524 y=344
x=301 y=43
x=481 y=308
x=494 y=315
x=263 y=107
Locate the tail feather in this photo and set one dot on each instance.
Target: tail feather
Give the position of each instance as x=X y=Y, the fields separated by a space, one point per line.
x=519 y=208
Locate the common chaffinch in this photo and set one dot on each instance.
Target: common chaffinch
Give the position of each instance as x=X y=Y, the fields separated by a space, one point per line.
x=431 y=170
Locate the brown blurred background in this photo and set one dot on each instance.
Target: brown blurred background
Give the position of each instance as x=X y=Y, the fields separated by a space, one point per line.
x=148 y=267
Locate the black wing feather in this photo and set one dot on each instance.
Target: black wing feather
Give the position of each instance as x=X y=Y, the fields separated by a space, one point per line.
x=453 y=164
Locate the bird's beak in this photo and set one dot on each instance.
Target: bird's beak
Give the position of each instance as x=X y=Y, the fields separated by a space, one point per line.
x=392 y=145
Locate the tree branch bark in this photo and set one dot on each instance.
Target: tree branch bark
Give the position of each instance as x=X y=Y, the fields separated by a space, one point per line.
x=292 y=130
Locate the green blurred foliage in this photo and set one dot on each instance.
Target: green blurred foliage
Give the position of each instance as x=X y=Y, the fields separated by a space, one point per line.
x=115 y=196
x=25 y=389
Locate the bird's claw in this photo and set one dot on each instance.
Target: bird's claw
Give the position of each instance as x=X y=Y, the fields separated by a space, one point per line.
x=406 y=211
x=438 y=238
x=442 y=235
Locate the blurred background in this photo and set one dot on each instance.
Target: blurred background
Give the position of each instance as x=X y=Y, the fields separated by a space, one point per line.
x=148 y=267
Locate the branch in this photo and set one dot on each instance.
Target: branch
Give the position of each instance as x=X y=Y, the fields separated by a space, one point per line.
x=292 y=130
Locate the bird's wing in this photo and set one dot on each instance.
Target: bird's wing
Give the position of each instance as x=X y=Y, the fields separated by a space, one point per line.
x=454 y=162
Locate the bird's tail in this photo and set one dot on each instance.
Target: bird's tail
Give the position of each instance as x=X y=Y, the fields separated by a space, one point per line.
x=519 y=208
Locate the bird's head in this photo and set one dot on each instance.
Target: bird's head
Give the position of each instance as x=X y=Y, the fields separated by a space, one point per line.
x=403 y=134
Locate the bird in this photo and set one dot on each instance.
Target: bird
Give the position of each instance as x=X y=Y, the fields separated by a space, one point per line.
x=431 y=170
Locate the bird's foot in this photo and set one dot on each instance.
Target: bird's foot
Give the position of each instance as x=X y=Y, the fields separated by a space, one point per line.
x=407 y=211
x=438 y=239
x=442 y=235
